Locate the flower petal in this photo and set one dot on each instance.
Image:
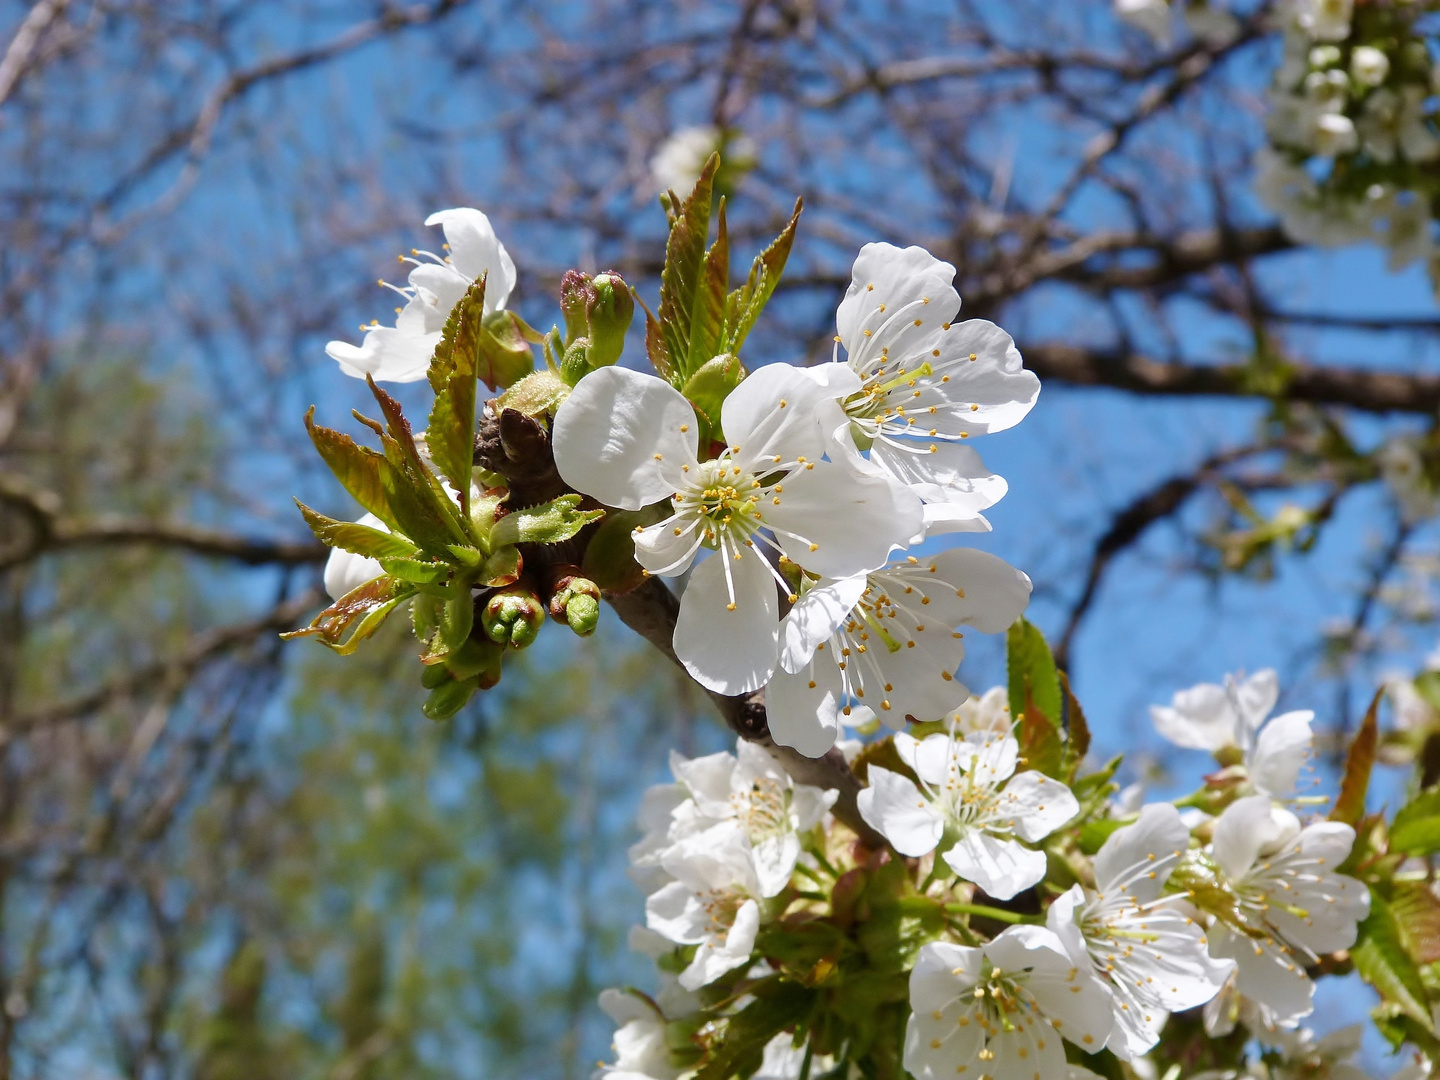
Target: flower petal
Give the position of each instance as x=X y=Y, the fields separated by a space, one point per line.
x=988 y=387
x=1280 y=751
x=885 y=281
x=805 y=717
x=387 y=354
x=1245 y=828
x=1001 y=867
x=714 y=959
x=728 y=651
x=1039 y=804
x=1266 y=973
x=475 y=250
x=622 y=437
x=345 y=570
x=893 y=806
x=817 y=615
x=852 y=521
x=1080 y=1001
x=1156 y=835
x=775 y=411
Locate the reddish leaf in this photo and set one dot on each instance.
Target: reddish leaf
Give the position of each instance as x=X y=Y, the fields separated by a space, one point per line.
x=1350 y=803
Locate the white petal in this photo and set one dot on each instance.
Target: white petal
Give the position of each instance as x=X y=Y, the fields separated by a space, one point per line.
x=756 y=421
x=1026 y=1051
x=1061 y=920
x=1200 y=718
x=989 y=757
x=944 y=519
x=775 y=859
x=941 y=984
x=894 y=807
x=673 y=912
x=345 y=570
x=387 y=354
x=1085 y=1014
x=730 y=652
x=817 y=615
x=803 y=717
x=475 y=250
x=669 y=547
x=1001 y=867
x=852 y=520
x=917 y=679
x=952 y=473
x=1266 y=973
x=1241 y=832
x=714 y=960
x=1280 y=751
x=809 y=804
x=884 y=280
x=1257 y=696
x=1039 y=805
x=995 y=382
x=995 y=593
x=708 y=781
x=1156 y=835
x=618 y=437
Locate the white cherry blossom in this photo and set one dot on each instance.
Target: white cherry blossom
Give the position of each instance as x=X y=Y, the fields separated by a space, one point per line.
x=751 y=789
x=1151 y=16
x=1001 y=1010
x=783 y=1060
x=886 y=644
x=988 y=713
x=1325 y=20
x=401 y=353
x=345 y=570
x=639 y=1043
x=927 y=384
x=631 y=440
x=1233 y=717
x=1304 y=1057
x=1142 y=943
x=1281 y=904
x=969 y=790
x=712 y=902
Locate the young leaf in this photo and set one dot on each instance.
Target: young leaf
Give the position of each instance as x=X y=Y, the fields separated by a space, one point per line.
x=459 y=344
x=457 y=616
x=361 y=611
x=1040 y=745
x=1382 y=961
x=548 y=523
x=1416 y=828
x=711 y=384
x=1350 y=803
x=502 y=568
x=1417 y=914
x=360 y=470
x=417 y=571
x=744 y=305
x=1077 y=731
x=707 y=312
x=684 y=263
x=419 y=504
x=1029 y=663
x=352 y=536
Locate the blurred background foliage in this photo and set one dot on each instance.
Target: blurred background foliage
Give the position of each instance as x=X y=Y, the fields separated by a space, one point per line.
x=222 y=859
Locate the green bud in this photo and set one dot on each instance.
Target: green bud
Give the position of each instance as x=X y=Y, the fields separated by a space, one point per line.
x=576 y=602
x=609 y=312
x=433 y=676
x=448 y=698
x=505 y=356
x=575 y=296
x=576 y=363
x=513 y=617
x=475 y=657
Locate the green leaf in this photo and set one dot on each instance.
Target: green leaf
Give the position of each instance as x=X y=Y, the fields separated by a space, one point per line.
x=360 y=470
x=1427 y=685
x=354 y=537
x=457 y=616
x=610 y=554
x=680 y=280
x=422 y=510
x=450 y=434
x=505 y=354
x=502 y=567
x=1416 y=829
x=1077 y=731
x=1093 y=834
x=711 y=384
x=548 y=523
x=744 y=305
x=1029 y=663
x=1350 y=803
x=361 y=611
x=778 y=1004
x=417 y=571
x=707 y=313
x=1383 y=962
x=1417 y=914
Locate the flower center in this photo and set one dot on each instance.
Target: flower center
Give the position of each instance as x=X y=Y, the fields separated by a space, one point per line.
x=725 y=498
x=761 y=810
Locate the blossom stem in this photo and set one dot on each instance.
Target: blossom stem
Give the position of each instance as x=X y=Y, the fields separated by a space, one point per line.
x=998 y=914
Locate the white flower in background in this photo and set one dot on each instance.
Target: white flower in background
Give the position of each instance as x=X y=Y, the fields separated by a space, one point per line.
x=679 y=160
x=1303 y=1057
x=630 y=440
x=1325 y=20
x=1408 y=233
x=1143 y=944
x=1304 y=212
x=987 y=714
x=402 y=353
x=1368 y=65
x=886 y=644
x=1411 y=714
x=1395 y=122
x=783 y=1060
x=1151 y=16
x=1286 y=904
x=345 y=570
x=1334 y=135
x=751 y=789
x=1001 y=1010
x=927 y=384
x=639 y=1043
x=711 y=903
x=1233 y=716
x=1404 y=471
x=970 y=791
x=674 y=1000
x=1211 y=23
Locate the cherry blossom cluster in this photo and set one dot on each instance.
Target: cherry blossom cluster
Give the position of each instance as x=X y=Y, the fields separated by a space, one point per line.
x=1353 y=129
x=1176 y=909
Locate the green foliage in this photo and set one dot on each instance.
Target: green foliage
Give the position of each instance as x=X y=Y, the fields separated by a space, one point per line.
x=1416 y=828
x=1355 y=782
x=744 y=305
x=1035 y=697
x=1383 y=961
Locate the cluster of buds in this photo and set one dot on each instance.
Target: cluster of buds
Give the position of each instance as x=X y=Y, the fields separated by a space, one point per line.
x=597 y=311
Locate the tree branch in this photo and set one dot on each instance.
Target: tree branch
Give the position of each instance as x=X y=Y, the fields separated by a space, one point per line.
x=1371 y=391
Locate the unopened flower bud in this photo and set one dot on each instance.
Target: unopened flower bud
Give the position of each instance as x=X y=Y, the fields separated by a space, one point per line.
x=445 y=700
x=575 y=364
x=513 y=617
x=575 y=296
x=1368 y=65
x=611 y=308
x=576 y=602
